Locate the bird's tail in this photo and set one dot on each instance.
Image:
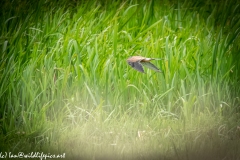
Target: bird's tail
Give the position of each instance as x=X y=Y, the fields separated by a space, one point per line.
x=159 y=59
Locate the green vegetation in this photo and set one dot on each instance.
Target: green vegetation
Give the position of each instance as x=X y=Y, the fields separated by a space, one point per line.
x=66 y=87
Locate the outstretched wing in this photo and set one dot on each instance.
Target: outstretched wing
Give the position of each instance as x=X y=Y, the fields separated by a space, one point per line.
x=137 y=65
x=151 y=66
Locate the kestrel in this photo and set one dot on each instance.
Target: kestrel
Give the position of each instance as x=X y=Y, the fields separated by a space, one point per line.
x=137 y=62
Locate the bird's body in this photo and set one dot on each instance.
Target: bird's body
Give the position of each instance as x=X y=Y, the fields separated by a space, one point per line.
x=137 y=62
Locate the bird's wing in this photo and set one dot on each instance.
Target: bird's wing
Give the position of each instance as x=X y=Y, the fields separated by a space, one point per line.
x=138 y=66
x=151 y=66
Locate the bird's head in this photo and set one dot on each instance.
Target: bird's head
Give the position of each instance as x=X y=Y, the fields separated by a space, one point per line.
x=130 y=63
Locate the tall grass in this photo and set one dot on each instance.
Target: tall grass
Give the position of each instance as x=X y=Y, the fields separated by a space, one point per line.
x=65 y=81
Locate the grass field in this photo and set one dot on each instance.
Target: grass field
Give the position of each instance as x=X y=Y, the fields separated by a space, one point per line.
x=66 y=87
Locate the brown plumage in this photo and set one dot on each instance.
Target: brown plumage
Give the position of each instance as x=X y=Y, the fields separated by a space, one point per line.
x=136 y=62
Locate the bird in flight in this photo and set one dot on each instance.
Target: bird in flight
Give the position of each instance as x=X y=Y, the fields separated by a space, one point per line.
x=136 y=62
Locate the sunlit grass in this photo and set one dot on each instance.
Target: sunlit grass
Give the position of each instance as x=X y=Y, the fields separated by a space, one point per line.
x=66 y=87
